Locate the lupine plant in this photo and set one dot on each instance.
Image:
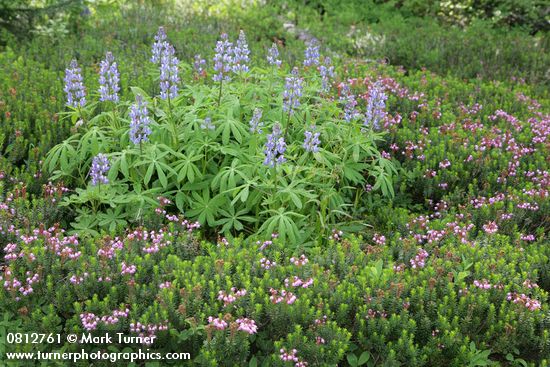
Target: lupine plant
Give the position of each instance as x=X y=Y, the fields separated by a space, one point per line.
x=207 y=152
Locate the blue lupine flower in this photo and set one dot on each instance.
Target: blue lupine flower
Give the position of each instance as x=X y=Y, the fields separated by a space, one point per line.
x=199 y=64
x=74 y=86
x=327 y=73
x=99 y=169
x=312 y=53
x=159 y=45
x=169 y=78
x=275 y=147
x=109 y=78
x=240 y=55
x=139 y=121
x=207 y=124
x=348 y=99
x=376 y=106
x=223 y=59
x=272 y=56
x=311 y=141
x=255 y=123
x=292 y=93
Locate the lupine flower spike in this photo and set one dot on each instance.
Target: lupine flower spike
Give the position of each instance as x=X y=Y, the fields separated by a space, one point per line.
x=292 y=93
x=275 y=147
x=376 y=106
x=199 y=64
x=311 y=141
x=139 y=121
x=169 y=78
x=109 y=79
x=327 y=73
x=255 y=123
x=99 y=169
x=223 y=59
x=273 y=56
x=158 y=45
x=312 y=53
x=240 y=55
x=74 y=86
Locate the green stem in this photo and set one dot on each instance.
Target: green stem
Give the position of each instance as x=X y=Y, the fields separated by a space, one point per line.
x=220 y=94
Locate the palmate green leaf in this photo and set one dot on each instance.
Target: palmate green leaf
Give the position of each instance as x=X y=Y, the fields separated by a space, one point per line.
x=186 y=168
x=204 y=208
x=282 y=223
x=353 y=171
x=112 y=218
x=93 y=142
x=229 y=176
x=232 y=127
x=233 y=220
x=66 y=150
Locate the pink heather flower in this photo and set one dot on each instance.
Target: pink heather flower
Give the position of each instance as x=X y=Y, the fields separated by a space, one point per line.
x=89 y=321
x=217 y=323
x=529 y=284
x=127 y=269
x=522 y=299
x=484 y=284
x=419 y=260
x=319 y=340
x=399 y=268
x=527 y=238
x=231 y=297
x=264 y=244
x=321 y=321
x=266 y=264
x=247 y=325
x=336 y=235
x=165 y=285
x=302 y=260
x=444 y=164
x=285 y=356
x=490 y=227
x=379 y=239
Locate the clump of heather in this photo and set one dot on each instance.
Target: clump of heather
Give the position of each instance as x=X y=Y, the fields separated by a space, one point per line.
x=74 y=86
x=109 y=79
x=98 y=171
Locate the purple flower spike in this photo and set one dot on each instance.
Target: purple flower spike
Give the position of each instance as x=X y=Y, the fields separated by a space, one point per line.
x=292 y=93
x=273 y=56
x=223 y=59
x=139 y=124
x=99 y=169
x=240 y=55
x=109 y=78
x=376 y=106
x=74 y=86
